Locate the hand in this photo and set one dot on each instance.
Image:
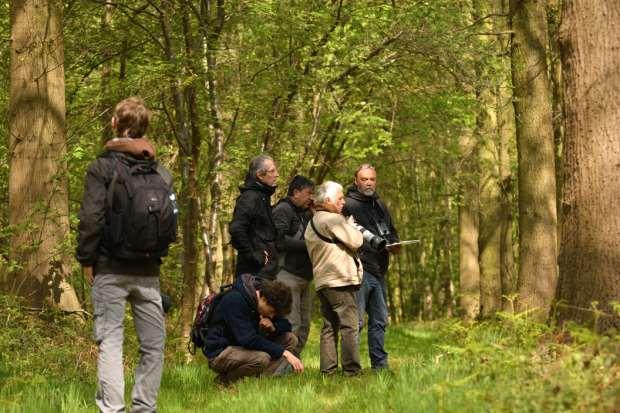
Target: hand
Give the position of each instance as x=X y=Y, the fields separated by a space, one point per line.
x=266 y=254
x=298 y=366
x=394 y=249
x=267 y=325
x=87 y=272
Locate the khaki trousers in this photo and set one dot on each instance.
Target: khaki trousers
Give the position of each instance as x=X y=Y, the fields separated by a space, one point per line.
x=340 y=318
x=237 y=362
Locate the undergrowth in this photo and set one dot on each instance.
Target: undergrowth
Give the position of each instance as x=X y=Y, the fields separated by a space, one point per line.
x=48 y=363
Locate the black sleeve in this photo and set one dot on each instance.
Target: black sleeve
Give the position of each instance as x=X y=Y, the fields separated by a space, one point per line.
x=92 y=213
x=241 y=324
x=240 y=225
x=283 y=218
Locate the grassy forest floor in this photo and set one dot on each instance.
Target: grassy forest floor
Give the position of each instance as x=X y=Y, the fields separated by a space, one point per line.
x=47 y=364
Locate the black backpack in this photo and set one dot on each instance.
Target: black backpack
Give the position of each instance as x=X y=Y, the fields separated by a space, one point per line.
x=141 y=211
x=204 y=314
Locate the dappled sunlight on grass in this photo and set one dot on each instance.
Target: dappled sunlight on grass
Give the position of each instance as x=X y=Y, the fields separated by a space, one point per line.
x=443 y=366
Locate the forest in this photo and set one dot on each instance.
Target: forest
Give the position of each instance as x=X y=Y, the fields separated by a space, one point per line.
x=494 y=129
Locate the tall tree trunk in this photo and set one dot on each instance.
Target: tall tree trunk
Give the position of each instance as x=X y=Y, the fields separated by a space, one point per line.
x=537 y=209
x=105 y=98
x=191 y=219
x=212 y=22
x=469 y=269
x=555 y=76
x=187 y=196
x=506 y=131
x=38 y=196
x=590 y=244
x=490 y=226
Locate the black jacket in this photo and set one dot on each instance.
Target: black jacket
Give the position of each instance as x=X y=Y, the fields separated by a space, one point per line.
x=235 y=322
x=253 y=232
x=91 y=250
x=291 y=222
x=371 y=213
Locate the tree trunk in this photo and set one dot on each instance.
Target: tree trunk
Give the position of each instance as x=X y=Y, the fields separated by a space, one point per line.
x=506 y=131
x=188 y=193
x=590 y=243
x=106 y=103
x=469 y=269
x=555 y=76
x=537 y=209
x=38 y=199
x=212 y=27
x=191 y=219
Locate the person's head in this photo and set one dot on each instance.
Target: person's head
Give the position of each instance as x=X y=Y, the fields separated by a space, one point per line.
x=366 y=179
x=329 y=196
x=274 y=299
x=300 y=191
x=264 y=169
x=131 y=118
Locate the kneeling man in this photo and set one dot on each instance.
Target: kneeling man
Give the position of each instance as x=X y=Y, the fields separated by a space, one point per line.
x=248 y=334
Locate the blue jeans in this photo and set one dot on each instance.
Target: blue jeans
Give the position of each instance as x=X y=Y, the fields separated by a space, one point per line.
x=372 y=299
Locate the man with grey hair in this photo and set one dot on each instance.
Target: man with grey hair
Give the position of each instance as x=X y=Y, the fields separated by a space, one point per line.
x=252 y=230
x=332 y=244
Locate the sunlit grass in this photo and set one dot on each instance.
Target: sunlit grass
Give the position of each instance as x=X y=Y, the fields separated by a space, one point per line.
x=435 y=367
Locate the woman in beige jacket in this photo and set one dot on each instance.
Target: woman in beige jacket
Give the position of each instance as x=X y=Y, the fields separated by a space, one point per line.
x=332 y=244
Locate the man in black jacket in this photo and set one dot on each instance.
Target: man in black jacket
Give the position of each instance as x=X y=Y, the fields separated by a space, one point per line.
x=247 y=334
x=252 y=230
x=363 y=203
x=117 y=278
x=291 y=216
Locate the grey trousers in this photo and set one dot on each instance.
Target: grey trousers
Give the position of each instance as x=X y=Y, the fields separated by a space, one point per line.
x=301 y=307
x=340 y=317
x=110 y=292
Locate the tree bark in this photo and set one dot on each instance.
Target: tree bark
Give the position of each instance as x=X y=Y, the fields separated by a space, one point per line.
x=38 y=194
x=188 y=193
x=537 y=189
x=191 y=221
x=489 y=236
x=106 y=103
x=469 y=269
x=590 y=243
x=212 y=22
x=506 y=130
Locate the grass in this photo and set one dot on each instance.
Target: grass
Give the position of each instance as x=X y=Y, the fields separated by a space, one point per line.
x=48 y=365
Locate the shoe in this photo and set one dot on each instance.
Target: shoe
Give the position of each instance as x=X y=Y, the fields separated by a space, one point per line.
x=283 y=369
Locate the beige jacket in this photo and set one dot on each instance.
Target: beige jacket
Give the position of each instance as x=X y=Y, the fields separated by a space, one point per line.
x=333 y=265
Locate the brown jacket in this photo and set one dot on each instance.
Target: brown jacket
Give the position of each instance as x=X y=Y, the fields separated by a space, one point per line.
x=334 y=264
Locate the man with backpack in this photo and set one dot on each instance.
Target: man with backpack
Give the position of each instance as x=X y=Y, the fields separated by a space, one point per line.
x=127 y=220
x=291 y=216
x=247 y=334
x=252 y=231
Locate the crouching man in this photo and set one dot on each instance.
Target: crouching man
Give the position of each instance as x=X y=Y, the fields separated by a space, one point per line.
x=248 y=334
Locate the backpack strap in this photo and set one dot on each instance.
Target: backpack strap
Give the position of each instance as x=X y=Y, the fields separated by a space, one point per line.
x=334 y=241
x=164 y=173
x=323 y=237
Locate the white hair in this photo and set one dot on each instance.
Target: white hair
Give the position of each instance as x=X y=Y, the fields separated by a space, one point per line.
x=328 y=189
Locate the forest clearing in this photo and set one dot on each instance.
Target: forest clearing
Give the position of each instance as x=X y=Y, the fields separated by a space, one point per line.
x=489 y=129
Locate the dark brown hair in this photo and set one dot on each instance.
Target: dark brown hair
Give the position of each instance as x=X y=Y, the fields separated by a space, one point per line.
x=278 y=295
x=132 y=117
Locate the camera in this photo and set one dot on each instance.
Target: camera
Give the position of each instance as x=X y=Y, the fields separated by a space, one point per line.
x=375 y=241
